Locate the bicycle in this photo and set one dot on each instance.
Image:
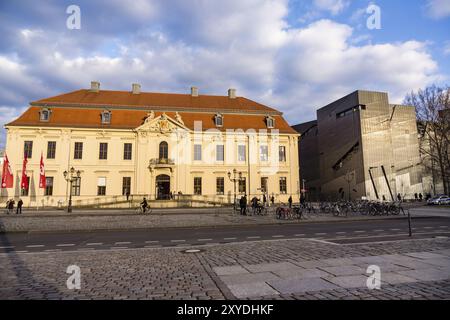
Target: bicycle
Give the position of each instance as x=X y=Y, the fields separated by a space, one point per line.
x=140 y=210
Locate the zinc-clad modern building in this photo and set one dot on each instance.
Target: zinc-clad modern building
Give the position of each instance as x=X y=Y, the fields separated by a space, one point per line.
x=156 y=145
x=361 y=146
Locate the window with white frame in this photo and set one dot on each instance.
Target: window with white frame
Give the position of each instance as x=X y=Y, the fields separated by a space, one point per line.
x=106 y=117
x=282 y=153
x=264 y=153
x=270 y=122
x=219 y=120
x=197 y=152
x=241 y=153
x=101 y=186
x=220 y=152
x=44 y=114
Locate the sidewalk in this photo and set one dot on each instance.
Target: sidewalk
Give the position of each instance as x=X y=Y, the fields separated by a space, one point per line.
x=93 y=220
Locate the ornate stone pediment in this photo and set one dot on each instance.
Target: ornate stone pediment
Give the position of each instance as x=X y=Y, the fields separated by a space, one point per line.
x=162 y=124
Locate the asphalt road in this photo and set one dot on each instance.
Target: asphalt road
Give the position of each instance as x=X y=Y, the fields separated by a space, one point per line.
x=339 y=233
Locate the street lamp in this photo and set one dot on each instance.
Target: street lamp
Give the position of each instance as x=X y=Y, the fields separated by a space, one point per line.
x=234 y=180
x=71 y=177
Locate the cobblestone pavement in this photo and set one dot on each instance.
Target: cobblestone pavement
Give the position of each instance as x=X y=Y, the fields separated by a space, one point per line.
x=283 y=269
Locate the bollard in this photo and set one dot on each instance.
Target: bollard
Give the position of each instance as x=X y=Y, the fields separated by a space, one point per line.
x=409 y=224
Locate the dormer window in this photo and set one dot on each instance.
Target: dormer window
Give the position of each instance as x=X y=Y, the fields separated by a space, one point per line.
x=219 y=120
x=270 y=122
x=44 y=114
x=106 y=117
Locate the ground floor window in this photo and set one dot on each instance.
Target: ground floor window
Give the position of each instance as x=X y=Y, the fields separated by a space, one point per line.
x=197 y=185
x=264 y=185
x=220 y=185
x=101 y=186
x=48 y=186
x=76 y=187
x=242 y=185
x=126 y=186
x=283 y=185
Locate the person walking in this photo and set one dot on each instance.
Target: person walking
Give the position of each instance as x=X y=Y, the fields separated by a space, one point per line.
x=399 y=197
x=244 y=201
x=264 y=200
x=241 y=206
x=416 y=197
x=272 y=200
x=11 y=206
x=420 y=197
x=290 y=202
x=7 y=206
x=19 y=206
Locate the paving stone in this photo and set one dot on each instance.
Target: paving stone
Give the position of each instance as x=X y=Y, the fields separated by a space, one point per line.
x=395 y=278
x=359 y=281
x=344 y=270
x=439 y=262
x=256 y=289
x=426 y=255
x=248 y=278
x=301 y=285
x=312 y=264
x=268 y=267
x=237 y=269
x=336 y=262
x=429 y=274
x=300 y=273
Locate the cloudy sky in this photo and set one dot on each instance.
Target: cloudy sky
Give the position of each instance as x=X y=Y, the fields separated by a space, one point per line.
x=294 y=55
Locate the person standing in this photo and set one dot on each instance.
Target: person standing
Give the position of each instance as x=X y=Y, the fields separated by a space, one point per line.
x=290 y=202
x=264 y=200
x=399 y=197
x=416 y=197
x=11 y=206
x=272 y=199
x=244 y=201
x=420 y=197
x=19 y=206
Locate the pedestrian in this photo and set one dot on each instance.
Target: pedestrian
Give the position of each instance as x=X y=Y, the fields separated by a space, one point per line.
x=128 y=195
x=384 y=197
x=245 y=204
x=254 y=203
x=241 y=206
x=399 y=197
x=290 y=202
x=420 y=197
x=11 y=206
x=272 y=200
x=416 y=197
x=19 y=206
x=264 y=199
x=7 y=206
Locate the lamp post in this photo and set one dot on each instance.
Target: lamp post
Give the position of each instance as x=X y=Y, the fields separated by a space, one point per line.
x=234 y=180
x=71 y=176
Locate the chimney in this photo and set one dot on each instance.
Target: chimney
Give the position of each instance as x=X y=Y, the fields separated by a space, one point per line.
x=232 y=93
x=136 y=88
x=95 y=86
x=194 y=91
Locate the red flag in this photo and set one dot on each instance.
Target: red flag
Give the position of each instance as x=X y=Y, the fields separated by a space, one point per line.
x=7 y=176
x=24 y=182
x=42 y=182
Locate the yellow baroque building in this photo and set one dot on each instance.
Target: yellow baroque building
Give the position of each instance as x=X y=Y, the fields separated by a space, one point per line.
x=173 y=149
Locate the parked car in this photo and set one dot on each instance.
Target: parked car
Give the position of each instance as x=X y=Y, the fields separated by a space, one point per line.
x=438 y=200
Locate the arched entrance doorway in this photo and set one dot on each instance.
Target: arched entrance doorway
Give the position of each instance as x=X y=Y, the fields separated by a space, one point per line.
x=162 y=187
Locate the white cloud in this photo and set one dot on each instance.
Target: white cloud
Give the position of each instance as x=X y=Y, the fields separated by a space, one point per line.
x=333 y=6
x=447 y=48
x=245 y=45
x=438 y=9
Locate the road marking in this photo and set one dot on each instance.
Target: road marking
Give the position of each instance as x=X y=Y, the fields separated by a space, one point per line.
x=204 y=239
x=443 y=226
x=94 y=244
x=152 y=241
x=65 y=245
x=255 y=237
x=124 y=242
x=299 y=235
x=115 y=248
x=8 y=247
x=177 y=240
x=395 y=229
x=341 y=232
x=229 y=238
x=278 y=236
x=153 y=246
x=378 y=230
x=53 y=250
x=385 y=235
x=84 y=249
x=21 y=251
x=35 y=246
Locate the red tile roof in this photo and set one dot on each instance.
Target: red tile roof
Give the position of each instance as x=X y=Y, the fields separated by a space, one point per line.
x=83 y=108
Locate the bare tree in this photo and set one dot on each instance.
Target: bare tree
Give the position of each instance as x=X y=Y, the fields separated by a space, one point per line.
x=433 y=114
